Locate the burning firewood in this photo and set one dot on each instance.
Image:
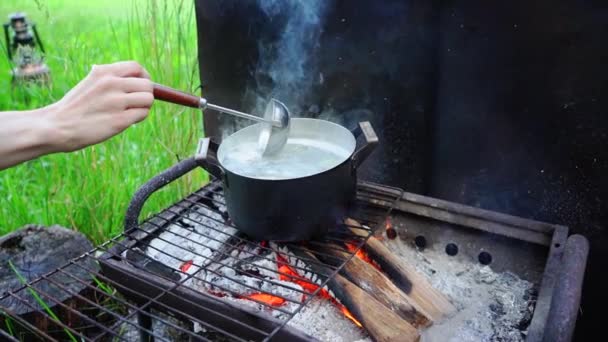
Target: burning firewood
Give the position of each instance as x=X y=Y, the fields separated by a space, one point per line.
x=381 y=324
x=405 y=277
x=366 y=276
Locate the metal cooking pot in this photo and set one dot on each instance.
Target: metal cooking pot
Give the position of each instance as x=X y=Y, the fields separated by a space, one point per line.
x=298 y=194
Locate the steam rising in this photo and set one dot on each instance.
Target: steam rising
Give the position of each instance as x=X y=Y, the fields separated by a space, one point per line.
x=286 y=67
x=288 y=64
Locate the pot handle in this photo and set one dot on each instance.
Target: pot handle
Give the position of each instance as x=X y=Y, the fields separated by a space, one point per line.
x=206 y=157
x=371 y=141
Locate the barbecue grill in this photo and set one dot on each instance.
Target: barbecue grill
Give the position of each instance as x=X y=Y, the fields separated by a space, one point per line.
x=146 y=286
x=178 y=274
x=136 y=295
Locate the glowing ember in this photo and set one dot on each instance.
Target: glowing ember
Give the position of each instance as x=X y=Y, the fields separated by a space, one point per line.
x=361 y=254
x=263 y=247
x=266 y=299
x=287 y=273
x=186 y=266
x=261 y=297
x=391 y=233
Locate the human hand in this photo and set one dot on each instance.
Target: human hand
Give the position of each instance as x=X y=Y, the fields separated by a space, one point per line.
x=107 y=101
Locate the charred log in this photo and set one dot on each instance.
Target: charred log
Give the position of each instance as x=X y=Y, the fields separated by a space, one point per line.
x=431 y=301
x=379 y=286
x=381 y=324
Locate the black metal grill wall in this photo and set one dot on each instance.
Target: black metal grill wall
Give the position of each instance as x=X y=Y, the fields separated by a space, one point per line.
x=497 y=105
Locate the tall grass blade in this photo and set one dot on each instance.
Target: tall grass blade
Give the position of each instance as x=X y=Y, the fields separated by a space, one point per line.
x=39 y=300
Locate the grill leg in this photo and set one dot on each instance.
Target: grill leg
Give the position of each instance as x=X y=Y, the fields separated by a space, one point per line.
x=144 y=320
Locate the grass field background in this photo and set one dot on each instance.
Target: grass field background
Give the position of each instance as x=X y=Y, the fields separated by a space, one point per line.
x=89 y=190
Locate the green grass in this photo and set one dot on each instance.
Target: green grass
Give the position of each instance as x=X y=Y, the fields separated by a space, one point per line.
x=40 y=301
x=89 y=190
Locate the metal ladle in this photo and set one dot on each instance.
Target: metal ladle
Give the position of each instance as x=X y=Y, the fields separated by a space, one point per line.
x=275 y=123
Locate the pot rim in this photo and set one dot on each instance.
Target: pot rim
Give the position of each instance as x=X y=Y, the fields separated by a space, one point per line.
x=348 y=157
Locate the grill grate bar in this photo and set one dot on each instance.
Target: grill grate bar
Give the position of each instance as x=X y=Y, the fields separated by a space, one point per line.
x=7 y=336
x=196 y=205
x=108 y=313
x=193 y=276
x=136 y=309
x=162 y=293
x=211 y=191
x=155 y=300
x=208 y=197
x=121 y=319
x=233 y=246
x=335 y=272
x=76 y=259
x=128 y=317
x=79 y=314
x=160 y=304
x=8 y=314
x=241 y=240
x=234 y=268
x=58 y=303
x=224 y=276
x=200 y=205
x=322 y=285
x=61 y=324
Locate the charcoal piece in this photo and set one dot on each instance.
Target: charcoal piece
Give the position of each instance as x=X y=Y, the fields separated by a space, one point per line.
x=37 y=250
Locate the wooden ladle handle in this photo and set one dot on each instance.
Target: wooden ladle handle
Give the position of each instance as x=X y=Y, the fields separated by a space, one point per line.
x=167 y=94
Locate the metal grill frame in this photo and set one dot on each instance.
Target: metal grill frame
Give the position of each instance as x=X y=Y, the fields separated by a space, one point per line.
x=556 y=308
x=142 y=294
x=156 y=224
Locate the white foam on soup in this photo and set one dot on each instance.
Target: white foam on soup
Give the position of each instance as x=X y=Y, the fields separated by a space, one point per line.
x=300 y=157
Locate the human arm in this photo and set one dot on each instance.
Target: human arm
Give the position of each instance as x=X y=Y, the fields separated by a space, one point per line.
x=106 y=102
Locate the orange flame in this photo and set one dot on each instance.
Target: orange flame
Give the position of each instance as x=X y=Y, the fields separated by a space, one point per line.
x=288 y=273
x=266 y=298
x=259 y=296
x=349 y=315
x=361 y=254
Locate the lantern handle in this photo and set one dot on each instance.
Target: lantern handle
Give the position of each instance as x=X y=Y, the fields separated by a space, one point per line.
x=38 y=38
x=8 y=43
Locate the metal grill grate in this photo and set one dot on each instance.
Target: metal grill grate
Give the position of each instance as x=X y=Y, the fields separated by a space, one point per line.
x=183 y=270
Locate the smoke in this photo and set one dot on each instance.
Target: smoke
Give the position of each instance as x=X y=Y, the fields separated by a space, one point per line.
x=287 y=58
x=287 y=65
